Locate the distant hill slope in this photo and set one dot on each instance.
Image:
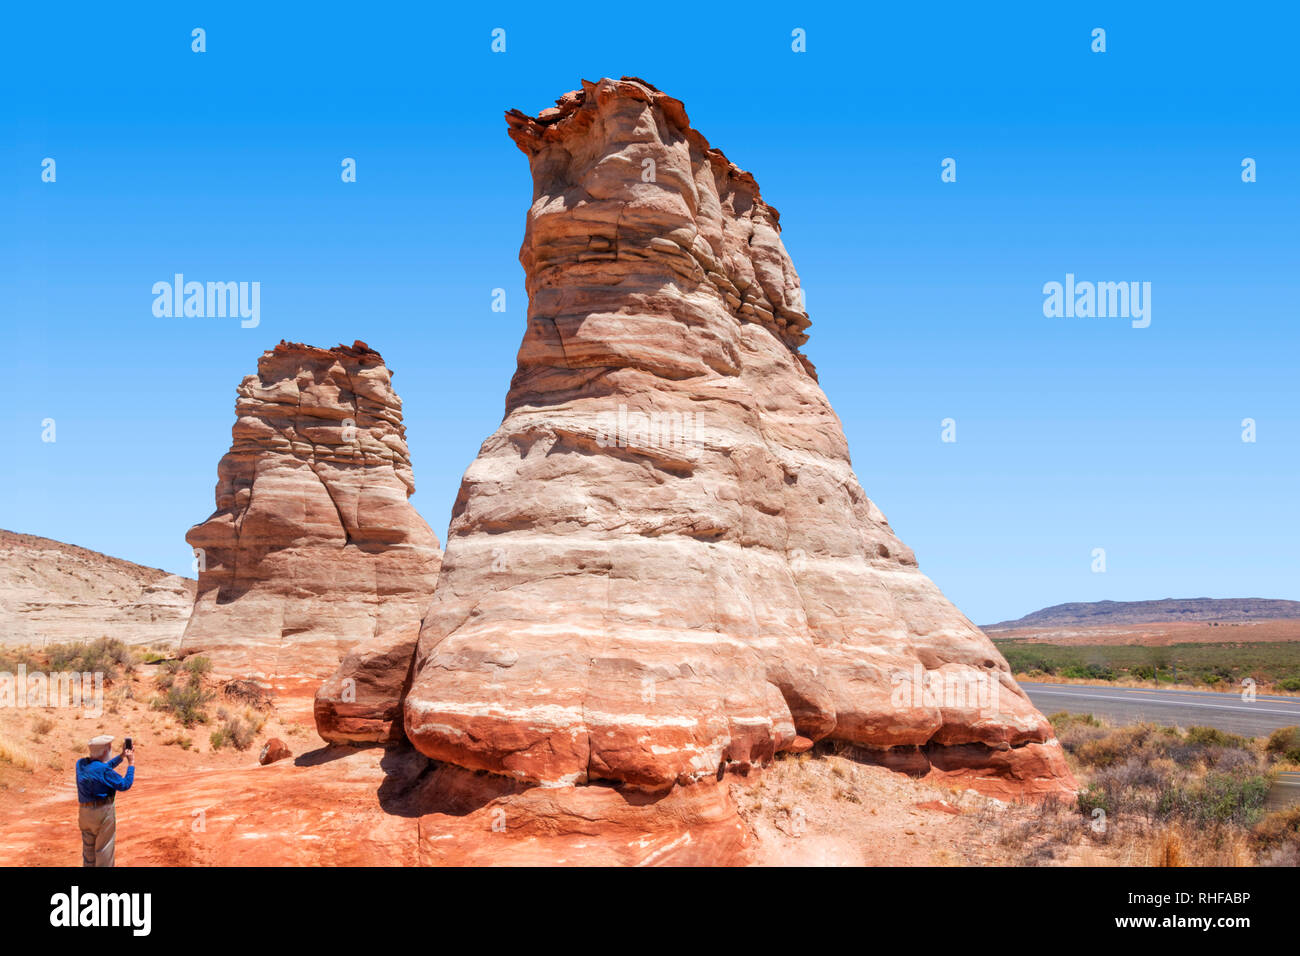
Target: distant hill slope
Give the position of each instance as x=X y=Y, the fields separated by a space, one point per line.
x=1148 y=612
x=52 y=592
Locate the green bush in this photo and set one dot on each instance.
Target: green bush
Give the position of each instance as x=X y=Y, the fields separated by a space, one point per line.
x=1218 y=798
x=1199 y=747
x=1141 y=740
x=198 y=667
x=1213 y=737
x=106 y=655
x=236 y=730
x=185 y=702
x=1284 y=743
x=1092 y=797
x=1064 y=719
x=166 y=675
x=1268 y=662
x=184 y=696
x=1089 y=672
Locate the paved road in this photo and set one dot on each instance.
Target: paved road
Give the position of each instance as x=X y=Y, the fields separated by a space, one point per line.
x=1285 y=792
x=1183 y=708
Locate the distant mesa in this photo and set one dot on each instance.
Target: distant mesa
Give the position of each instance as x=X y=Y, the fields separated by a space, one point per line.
x=1167 y=610
x=57 y=593
x=313 y=548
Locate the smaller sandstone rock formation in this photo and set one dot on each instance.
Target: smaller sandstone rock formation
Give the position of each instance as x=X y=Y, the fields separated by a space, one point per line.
x=314 y=548
x=361 y=703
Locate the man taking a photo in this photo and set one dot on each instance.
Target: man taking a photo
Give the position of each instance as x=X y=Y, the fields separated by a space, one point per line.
x=97 y=785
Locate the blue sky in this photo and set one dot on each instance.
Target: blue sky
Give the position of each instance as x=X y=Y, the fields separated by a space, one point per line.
x=926 y=297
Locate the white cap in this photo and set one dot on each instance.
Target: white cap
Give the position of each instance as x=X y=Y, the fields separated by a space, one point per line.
x=103 y=740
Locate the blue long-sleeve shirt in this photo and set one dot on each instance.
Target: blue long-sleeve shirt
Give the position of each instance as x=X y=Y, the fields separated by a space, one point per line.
x=96 y=779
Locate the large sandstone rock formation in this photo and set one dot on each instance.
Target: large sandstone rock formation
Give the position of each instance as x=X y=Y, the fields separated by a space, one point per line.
x=661 y=565
x=56 y=593
x=314 y=549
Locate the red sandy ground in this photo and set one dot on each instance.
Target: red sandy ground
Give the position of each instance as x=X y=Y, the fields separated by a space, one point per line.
x=344 y=806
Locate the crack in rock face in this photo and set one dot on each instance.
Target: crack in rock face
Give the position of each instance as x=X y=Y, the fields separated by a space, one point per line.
x=314 y=548
x=661 y=565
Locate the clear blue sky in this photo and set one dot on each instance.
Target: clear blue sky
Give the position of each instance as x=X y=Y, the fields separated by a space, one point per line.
x=926 y=297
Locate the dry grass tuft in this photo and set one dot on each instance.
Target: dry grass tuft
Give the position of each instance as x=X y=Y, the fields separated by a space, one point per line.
x=14 y=754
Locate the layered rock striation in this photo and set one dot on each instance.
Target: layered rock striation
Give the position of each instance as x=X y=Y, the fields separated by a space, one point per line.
x=661 y=565
x=314 y=550
x=55 y=593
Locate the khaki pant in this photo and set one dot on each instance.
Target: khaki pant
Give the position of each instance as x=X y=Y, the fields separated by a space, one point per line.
x=98 y=833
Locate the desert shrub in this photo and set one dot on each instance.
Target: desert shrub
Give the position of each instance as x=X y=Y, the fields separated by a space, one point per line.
x=1268 y=662
x=1135 y=787
x=1025 y=660
x=1284 y=743
x=106 y=655
x=1063 y=719
x=166 y=675
x=1217 y=798
x=1205 y=777
x=1109 y=748
x=41 y=725
x=1076 y=730
x=1218 y=674
x=186 y=702
x=1213 y=737
x=236 y=730
x=192 y=669
x=13 y=753
x=1091 y=671
x=1200 y=746
x=197 y=667
x=12 y=658
x=1093 y=797
x=1233 y=760
x=184 y=696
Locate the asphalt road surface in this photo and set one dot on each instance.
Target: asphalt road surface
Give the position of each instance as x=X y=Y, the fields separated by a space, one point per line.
x=1285 y=792
x=1182 y=708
